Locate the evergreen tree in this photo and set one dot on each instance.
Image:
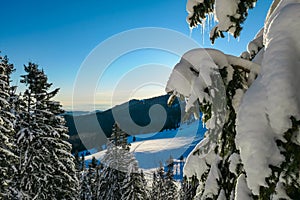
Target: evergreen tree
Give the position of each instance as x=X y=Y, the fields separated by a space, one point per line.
x=134 y=186
x=85 y=192
x=77 y=161
x=91 y=176
x=188 y=188
x=97 y=182
x=47 y=169
x=170 y=186
x=158 y=185
x=154 y=189
x=8 y=157
x=145 y=184
x=117 y=161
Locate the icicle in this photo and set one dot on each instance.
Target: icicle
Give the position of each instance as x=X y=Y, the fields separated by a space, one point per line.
x=208 y=22
x=203 y=30
x=228 y=35
x=191 y=32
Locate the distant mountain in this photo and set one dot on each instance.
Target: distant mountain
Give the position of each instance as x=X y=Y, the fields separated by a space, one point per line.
x=95 y=127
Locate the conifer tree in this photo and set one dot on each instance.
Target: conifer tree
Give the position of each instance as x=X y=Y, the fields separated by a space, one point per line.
x=134 y=186
x=158 y=185
x=171 y=187
x=8 y=150
x=188 y=188
x=47 y=169
x=91 y=176
x=77 y=161
x=117 y=161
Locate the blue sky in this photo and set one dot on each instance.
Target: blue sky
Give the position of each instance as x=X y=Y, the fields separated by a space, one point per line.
x=59 y=35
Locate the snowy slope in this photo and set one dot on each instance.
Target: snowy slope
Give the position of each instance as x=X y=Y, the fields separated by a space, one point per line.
x=153 y=148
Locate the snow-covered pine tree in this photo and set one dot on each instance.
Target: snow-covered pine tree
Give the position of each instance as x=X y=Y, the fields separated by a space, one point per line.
x=134 y=185
x=158 y=190
x=91 y=176
x=251 y=148
x=170 y=186
x=97 y=182
x=85 y=192
x=8 y=149
x=77 y=161
x=87 y=179
x=145 y=184
x=47 y=169
x=116 y=161
x=188 y=188
x=154 y=188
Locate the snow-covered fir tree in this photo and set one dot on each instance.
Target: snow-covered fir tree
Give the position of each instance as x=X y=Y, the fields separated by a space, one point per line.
x=188 y=188
x=8 y=149
x=47 y=169
x=170 y=186
x=158 y=190
x=250 y=104
x=117 y=161
x=88 y=180
x=134 y=187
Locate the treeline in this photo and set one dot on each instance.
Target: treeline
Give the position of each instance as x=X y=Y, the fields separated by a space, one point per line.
x=118 y=176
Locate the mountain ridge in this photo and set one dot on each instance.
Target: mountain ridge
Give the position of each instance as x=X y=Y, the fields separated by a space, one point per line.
x=90 y=125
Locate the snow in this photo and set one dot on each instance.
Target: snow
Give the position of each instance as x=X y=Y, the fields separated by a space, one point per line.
x=190 y=7
x=276 y=85
x=255 y=45
x=211 y=184
x=196 y=70
x=222 y=195
x=236 y=101
x=281 y=67
x=234 y=160
x=155 y=148
x=242 y=191
x=223 y=10
x=280 y=192
x=256 y=154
